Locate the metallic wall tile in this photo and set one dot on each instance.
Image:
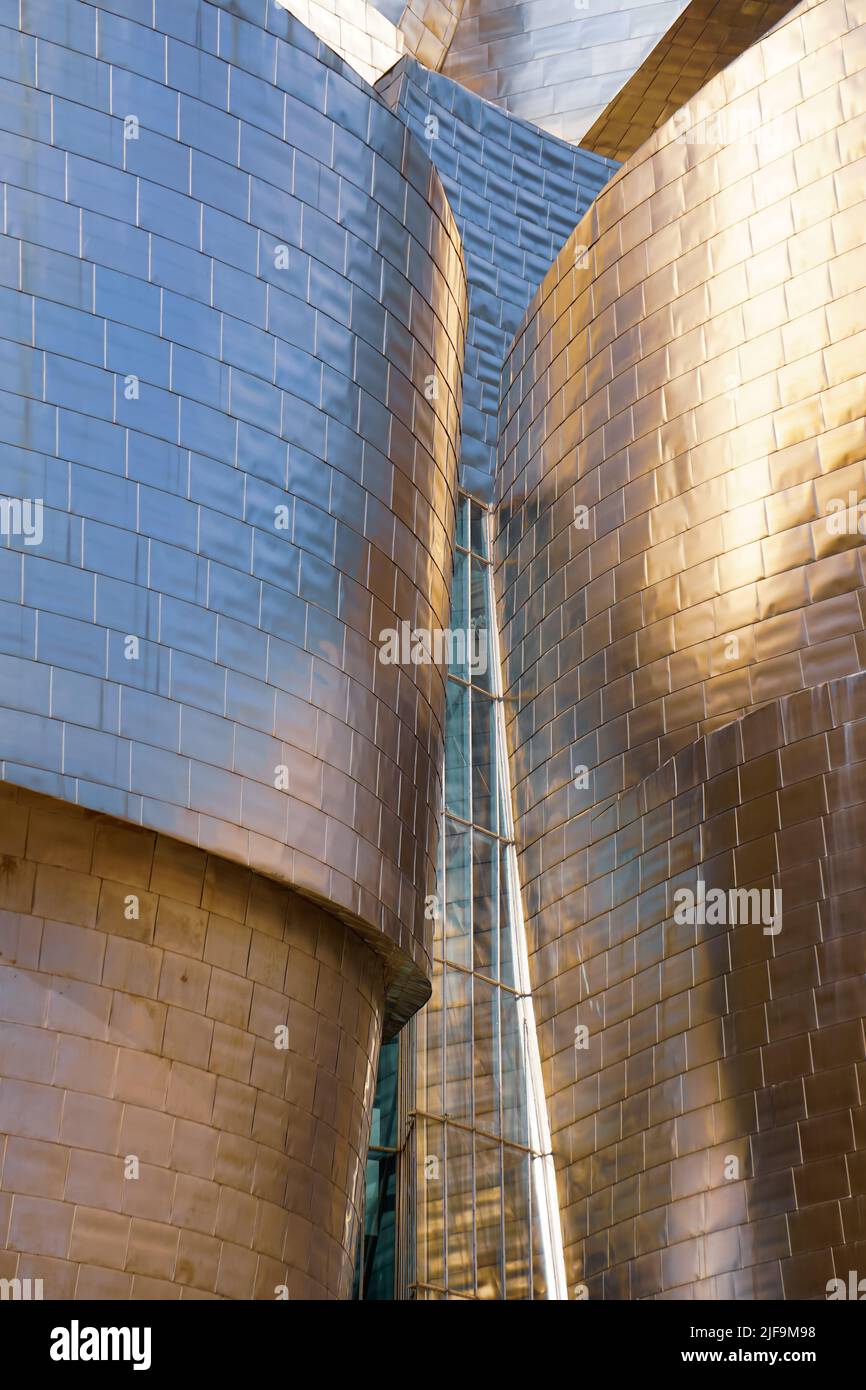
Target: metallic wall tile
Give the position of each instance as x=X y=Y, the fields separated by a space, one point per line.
x=703 y=39
x=142 y=982
x=555 y=63
x=238 y=334
x=365 y=34
x=516 y=193
x=679 y=569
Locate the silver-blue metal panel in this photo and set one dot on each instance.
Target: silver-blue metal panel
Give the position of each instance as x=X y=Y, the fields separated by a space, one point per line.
x=227 y=272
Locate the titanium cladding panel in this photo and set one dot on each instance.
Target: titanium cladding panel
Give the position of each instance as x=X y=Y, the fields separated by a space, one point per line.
x=354 y=29
x=516 y=193
x=706 y=36
x=557 y=63
x=150 y=1035
x=680 y=542
x=429 y=27
x=229 y=277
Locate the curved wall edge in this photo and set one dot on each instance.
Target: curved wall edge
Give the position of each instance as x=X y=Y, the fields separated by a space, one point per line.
x=680 y=571
x=229 y=277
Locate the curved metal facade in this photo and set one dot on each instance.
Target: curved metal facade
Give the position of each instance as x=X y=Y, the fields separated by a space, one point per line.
x=682 y=471
x=557 y=63
x=429 y=27
x=355 y=30
x=233 y=309
x=516 y=193
x=707 y=36
x=155 y=1143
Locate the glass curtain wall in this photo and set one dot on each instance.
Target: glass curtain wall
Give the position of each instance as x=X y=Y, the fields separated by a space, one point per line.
x=473 y=1166
x=381 y=1270
x=479 y=1231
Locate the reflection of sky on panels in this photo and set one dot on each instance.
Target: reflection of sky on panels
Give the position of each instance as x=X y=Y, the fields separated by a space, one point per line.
x=213 y=374
x=516 y=193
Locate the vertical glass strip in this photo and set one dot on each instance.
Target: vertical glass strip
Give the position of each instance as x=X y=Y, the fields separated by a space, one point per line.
x=480 y=1202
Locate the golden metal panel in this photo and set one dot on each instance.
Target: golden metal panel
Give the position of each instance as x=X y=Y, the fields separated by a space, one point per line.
x=729 y=409
x=152 y=1036
x=701 y=42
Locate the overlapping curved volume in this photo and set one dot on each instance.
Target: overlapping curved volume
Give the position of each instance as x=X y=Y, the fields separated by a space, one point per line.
x=680 y=562
x=431 y=567
x=228 y=272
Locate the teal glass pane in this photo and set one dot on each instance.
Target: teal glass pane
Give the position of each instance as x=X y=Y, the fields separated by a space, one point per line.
x=458 y=893
x=485 y=904
x=375 y=1277
x=463 y=521
x=478 y=531
x=506 y=922
x=485 y=790
x=481 y=667
x=460 y=617
x=383 y=1130
x=457 y=754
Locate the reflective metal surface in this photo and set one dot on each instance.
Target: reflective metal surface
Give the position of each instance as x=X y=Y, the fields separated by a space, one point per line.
x=516 y=194
x=229 y=278
x=354 y=29
x=484 y=1212
x=707 y=36
x=682 y=482
x=556 y=63
x=429 y=27
x=155 y=1141
x=233 y=303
